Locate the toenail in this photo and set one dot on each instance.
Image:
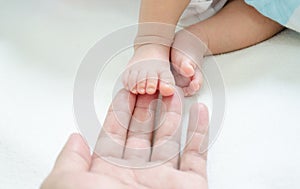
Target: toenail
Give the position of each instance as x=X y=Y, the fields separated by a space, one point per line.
x=150 y=90
x=190 y=66
x=169 y=86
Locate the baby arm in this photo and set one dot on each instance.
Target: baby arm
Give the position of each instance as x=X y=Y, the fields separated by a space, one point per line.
x=149 y=68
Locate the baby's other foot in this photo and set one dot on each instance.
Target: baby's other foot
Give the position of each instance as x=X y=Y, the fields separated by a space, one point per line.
x=182 y=64
x=149 y=71
x=187 y=74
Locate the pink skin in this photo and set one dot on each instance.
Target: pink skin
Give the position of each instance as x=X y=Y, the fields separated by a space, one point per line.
x=149 y=71
x=187 y=74
x=75 y=168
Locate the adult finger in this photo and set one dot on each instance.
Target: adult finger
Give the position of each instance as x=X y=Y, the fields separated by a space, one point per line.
x=195 y=155
x=166 y=143
x=75 y=156
x=112 y=138
x=139 y=137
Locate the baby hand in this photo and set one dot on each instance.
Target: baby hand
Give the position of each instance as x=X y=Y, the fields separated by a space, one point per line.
x=149 y=71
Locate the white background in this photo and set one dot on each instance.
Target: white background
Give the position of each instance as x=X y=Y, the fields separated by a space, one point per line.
x=41 y=46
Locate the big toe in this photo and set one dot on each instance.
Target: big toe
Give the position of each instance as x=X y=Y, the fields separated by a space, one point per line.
x=187 y=69
x=166 y=84
x=166 y=89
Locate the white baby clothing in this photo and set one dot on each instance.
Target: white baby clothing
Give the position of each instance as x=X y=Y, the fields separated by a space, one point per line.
x=287 y=13
x=199 y=10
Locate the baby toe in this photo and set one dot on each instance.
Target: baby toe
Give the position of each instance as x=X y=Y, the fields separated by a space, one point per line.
x=166 y=84
x=187 y=68
x=194 y=85
x=132 y=82
x=182 y=64
x=141 y=82
x=188 y=91
x=152 y=81
x=197 y=80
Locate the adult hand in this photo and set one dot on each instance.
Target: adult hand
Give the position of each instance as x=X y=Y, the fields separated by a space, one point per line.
x=125 y=141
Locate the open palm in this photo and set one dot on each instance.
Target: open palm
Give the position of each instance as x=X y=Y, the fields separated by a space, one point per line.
x=130 y=155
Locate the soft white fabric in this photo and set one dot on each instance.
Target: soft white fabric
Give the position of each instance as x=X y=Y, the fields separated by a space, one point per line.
x=41 y=46
x=199 y=10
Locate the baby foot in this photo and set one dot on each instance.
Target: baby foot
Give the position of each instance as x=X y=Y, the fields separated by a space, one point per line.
x=187 y=54
x=149 y=71
x=187 y=74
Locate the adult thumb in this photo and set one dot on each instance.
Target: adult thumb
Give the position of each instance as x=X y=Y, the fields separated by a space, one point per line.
x=75 y=156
